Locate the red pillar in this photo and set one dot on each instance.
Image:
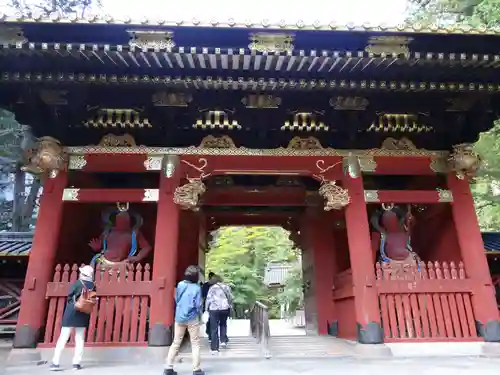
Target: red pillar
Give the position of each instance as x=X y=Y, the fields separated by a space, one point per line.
x=161 y=315
x=476 y=266
x=321 y=240
x=41 y=263
x=366 y=304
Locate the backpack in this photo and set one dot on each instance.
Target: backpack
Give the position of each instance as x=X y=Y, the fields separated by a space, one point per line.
x=86 y=301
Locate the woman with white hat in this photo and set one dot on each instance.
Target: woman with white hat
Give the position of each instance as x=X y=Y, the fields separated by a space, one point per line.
x=76 y=318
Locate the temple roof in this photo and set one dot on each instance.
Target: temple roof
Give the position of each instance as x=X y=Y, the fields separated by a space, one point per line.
x=15 y=244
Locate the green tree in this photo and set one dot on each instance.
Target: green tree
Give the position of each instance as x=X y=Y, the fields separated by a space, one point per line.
x=48 y=7
x=476 y=13
x=240 y=255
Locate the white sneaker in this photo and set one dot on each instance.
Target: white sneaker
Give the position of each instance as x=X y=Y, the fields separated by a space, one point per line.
x=223 y=345
x=214 y=352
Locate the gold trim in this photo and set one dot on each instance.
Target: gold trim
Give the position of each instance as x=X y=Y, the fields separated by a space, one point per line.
x=117 y=141
x=151 y=195
x=243 y=151
x=271 y=42
x=240 y=83
x=153 y=163
x=266 y=24
x=368 y=163
x=444 y=196
x=70 y=194
x=439 y=165
x=211 y=141
x=77 y=162
x=371 y=196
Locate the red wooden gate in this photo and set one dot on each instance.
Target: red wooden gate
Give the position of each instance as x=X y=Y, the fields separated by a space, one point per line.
x=429 y=302
x=121 y=315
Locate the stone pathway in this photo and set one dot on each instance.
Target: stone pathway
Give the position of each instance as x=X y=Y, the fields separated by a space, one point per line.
x=340 y=366
x=241 y=328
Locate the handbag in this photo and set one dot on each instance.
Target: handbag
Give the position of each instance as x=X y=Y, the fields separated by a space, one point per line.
x=86 y=301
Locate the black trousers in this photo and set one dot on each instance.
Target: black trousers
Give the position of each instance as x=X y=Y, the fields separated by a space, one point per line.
x=218 y=321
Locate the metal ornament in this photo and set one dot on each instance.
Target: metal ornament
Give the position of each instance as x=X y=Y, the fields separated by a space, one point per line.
x=352 y=166
x=171 y=163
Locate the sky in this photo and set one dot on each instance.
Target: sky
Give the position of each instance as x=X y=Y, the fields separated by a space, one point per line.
x=325 y=11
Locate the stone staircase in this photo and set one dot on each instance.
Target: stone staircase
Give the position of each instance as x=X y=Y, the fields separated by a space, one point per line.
x=279 y=347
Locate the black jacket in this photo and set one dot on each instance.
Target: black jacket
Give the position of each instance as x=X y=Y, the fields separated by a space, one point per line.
x=72 y=317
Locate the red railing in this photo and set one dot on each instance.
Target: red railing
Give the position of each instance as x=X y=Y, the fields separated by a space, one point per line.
x=429 y=302
x=121 y=315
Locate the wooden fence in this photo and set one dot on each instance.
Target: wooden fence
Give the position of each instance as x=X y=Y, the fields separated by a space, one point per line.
x=428 y=302
x=121 y=315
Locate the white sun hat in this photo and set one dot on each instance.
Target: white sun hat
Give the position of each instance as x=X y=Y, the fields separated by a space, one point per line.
x=87 y=271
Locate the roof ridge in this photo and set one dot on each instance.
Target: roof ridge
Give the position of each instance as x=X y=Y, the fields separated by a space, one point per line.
x=282 y=25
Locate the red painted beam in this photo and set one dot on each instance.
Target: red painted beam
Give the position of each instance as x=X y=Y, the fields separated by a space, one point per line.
x=109 y=195
x=114 y=163
x=412 y=165
x=272 y=196
x=407 y=196
x=275 y=165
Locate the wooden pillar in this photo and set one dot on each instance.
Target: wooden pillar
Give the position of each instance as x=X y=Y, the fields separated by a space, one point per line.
x=41 y=263
x=476 y=265
x=369 y=330
x=321 y=243
x=161 y=316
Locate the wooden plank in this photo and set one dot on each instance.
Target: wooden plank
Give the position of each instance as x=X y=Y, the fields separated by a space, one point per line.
x=424 y=286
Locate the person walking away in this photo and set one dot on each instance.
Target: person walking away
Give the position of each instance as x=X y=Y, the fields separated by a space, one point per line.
x=218 y=305
x=188 y=309
x=75 y=318
x=204 y=292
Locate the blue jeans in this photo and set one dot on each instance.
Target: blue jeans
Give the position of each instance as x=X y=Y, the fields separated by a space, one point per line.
x=218 y=320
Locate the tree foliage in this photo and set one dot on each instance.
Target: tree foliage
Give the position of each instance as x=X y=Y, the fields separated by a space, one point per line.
x=48 y=7
x=476 y=13
x=241 y=254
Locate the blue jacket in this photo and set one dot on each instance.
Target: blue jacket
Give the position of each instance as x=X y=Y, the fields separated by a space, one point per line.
x=188 y=302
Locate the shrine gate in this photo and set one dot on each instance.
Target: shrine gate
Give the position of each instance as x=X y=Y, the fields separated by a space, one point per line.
x=326 y=130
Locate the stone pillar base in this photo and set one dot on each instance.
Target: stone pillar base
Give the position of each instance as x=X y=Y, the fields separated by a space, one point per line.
x=160 y=335
x=26 y=337
x=333 y=328
x=489 y=331
x=372 y=333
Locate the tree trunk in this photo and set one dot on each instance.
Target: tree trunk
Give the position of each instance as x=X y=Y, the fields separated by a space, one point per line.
x=18 y=199
x=29 y=204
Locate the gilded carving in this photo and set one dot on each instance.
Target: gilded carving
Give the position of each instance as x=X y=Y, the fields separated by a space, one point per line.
x=371 y=196
x=112 y=140
x=341 y=103
x=117 y=118
x=153 y=163
x=216 y=119
x=398 y=123
x=151 y=39
x=301 y=143
x=70 y=194
x=261 y=101
x=389 y=45
x=47 y=155
x=335 y=197
x=305 y=121
x=402 y=144
x=439 y=165
x=271 y=42
x=188 y=195
x=464 y=161
x=77 y=162
x=367 y=163
x=151 y=195
x=445 y=196
x=217 y=142
x=164 y=99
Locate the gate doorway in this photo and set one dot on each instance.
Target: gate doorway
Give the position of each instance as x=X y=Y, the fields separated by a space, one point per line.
x=260 y=263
